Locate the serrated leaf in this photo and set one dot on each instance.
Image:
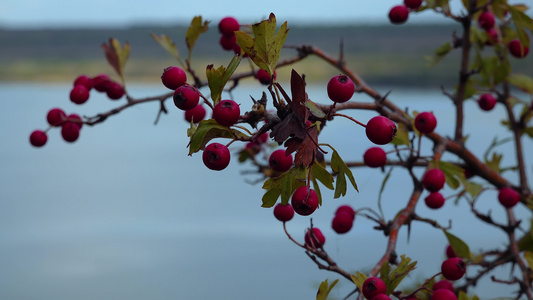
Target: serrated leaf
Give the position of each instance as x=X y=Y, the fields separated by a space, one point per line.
x=398 y=274
x=452 y=172
x=167 y=44
x=313 y=108
x=316 y=187
x=460 y=248
x=359 y=278
x=117 y=56
x=529 y=258
x=217 y=78
x=526 y=242
x=320 y=173
x=283 y=186
x=324 y=289
x=472 y=188
x=494 y=162
x=339 y=166
x=194 y=31
x=208 y=130
x=402 y=135
x=522 y=81
x=440 y=53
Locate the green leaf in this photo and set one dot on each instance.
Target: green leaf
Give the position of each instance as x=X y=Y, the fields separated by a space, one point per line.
x=383 y=183
x=402 y=135
x=453 y=173
x=313 y=108
x=265 y=47
x=522 y=81
x=359 y=278
x=325 y=289
x=439 y=53
x=167 y=44
x=472 y=188
x=117 y=56
x=460 y=248
x=283 y=186
x=529 y=258
x=208 y=130
x=338 y=166
x=395 y=277
x=316 y=187
x=320 y=173
x=194 y=31
x=217 y=78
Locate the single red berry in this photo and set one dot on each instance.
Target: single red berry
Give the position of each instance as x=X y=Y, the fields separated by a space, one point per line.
x=228 y=26
x=487 y=102
x=173 y=77
x=264 y=77
x=443 y=284
x=38 y=138
x=226 y=112
x=79 y=94
x=345 y=209
x=492 y=37
x=304 y=201
x=279 y=161
x=433 y=180
x=100 y=82
x=517 y=49
x=434 y=200
x=375 y=157
x=283 y=213
x=453 y=268
x=381 y=297
x=398 y=14
x=70 y=131
x=342 y=222
x=315 y=238
x=443 y=294
x=56 y=117
x=449 y=252
x=413 y=4
x=227 y=42
x=76 y=119
x=340 y=88
x=425 y=122
x=373 y=286
x=186 y=97
x=486 y=20
x=114 y=90
x=195 y=114
x=263 y=138
x=84 y=80
x=216 y=156
x=508 y=197
x=237 y=50
x=380 y=130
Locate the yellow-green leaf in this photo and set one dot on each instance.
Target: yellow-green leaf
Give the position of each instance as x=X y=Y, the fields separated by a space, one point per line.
x=194 y=31
x=167 y=44
x=217 y=78
x=208 y=130
x=320 y=173
x=283 y=186
x=522 y=81
x=324 y=289
x=117 y=56
x=339 y=166
x=460 y=248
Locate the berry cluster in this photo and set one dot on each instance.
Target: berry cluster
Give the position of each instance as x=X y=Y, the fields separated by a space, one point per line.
x=70 y=127
x=487 y=21
x=227 y=27
x=83 y=84
x=343 y=220
x=400 y=13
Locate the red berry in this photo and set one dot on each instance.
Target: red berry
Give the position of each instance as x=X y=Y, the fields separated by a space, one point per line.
x=413 y=4
x=443 y=284
x=216 y=156
x=228 y=26
x=340 y=88
x=517 y=49
x=227 y=42
x=508 y=197
x=381 y=297
x=375 y=157
x=264 y=77
x=493 y=37
x=380 y=130
x=114 y=90
x=263 y=138
x=100 y=82
x=486 y=20
x=435 y=200
x=173 y=77
x=38 y=138
x=453 y=268
x=433 y=180
x=304 y=201
x=195 y=114
x=342 y=222
x=398 y=14
x=76 y=119
x=373 y=286
x=449 y=252
x=79 y=94
x=315 y=239
x=443 y=294
x=226 y=112
x=70 y=131
x=186 y=97
x=345 y=209
x=84 y=80
x=283 y=213
x=487 y=102
x=55 y=117
x=279 y=161
x=425 y=122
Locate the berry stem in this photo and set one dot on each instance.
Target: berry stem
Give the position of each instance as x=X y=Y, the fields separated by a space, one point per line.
x=350 y=118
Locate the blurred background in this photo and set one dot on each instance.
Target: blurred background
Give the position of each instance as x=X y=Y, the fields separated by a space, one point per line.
x=124 y=213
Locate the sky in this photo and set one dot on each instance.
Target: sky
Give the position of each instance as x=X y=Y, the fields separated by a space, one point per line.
x=60 y=13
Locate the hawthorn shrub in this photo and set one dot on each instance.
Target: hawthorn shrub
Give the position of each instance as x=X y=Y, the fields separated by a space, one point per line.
x=495 y=35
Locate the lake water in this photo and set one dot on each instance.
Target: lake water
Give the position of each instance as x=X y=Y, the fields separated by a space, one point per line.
x=124 y=213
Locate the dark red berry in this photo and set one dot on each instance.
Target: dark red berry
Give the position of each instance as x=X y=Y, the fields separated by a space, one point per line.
x=375 y=157
x=381 y=297
x=345 y=209
x=100 y=82
x=340 y=88
x=398 y=14
x=283 y=213
x=434 y=200
x=304 y=201
x=56 y=117
x=443 y=284
x=186 y=97
x=38 y=138
x=492 y=37
x=279 y=161
x=413 y=4
x=433 y=180
x=342 y=222
x=114 y=90
x=486 y=20
x=315 y=238
x=380 y=130
x=173 y=77
x=76 y=119
x=226 y=112
x=449 y=252
x=425 y=122
x=517 y=49
x=453 y=268
x=264 y=77
x=195 y=114
x=79 y=94
x=443 y=294
x=508 y=197
x=216 y=156
x=487 y=102
x=84 y=80
x=227 y=42
x=373 y=286
x=228 y=26
x=70 y=131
